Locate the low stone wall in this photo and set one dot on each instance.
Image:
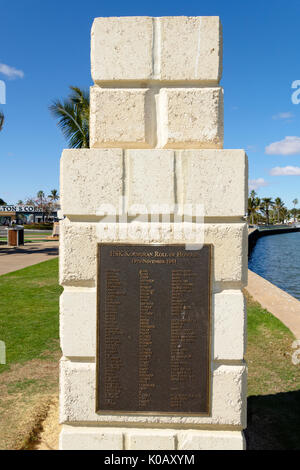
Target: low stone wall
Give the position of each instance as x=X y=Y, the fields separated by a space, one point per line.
x=255 y=234
x=278 y=302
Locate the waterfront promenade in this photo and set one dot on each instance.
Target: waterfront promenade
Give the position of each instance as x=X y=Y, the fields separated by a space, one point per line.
x=282 y=305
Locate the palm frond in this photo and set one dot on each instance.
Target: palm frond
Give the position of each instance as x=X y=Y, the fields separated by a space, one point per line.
x=73 y=117
x=1 y=120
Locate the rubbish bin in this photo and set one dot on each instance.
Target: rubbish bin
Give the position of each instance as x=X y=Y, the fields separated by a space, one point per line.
x=16 y=236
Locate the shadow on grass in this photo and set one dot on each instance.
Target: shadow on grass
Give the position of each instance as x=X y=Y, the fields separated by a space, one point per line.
x=274 y=422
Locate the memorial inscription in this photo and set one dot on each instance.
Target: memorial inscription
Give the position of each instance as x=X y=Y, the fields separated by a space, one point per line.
x=153 y=334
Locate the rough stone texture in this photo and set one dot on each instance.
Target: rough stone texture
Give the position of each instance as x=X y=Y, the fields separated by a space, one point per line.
x=77 y=261
x=191 y=118
x=143 y=49
x=79 y=245
x=211 y=440
x=150 y=181
x=191 y=48
x=77 y=388
x=78 y=322
x=103 y=438
x=120 y=118
x=87 y=438
x=121 y=48
x=229 y=326
x=85 y=174
x=218 y=179
x=149 y=439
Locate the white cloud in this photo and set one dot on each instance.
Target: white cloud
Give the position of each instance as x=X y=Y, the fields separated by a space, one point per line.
x=287 y=146
x=283 y=116
x=11 y=72
x=285 y=171
x=257 y=184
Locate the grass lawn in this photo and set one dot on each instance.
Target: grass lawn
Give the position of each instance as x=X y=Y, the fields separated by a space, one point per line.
x=273 y=383
x=29 y=326
x=29 y=382
x=29 y=312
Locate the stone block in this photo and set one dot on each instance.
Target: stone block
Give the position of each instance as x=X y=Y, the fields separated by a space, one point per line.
x=191 y=118
x=211 y=440
x=88 y=438
x=85 y=174
x=142 y=49
x=78 y=322
x=121 y=49
x=229 y=326
x=191 y=48
x=150 y=439
x=150 y=181
x=121 y=118
x=217 y=179
x=78 y=252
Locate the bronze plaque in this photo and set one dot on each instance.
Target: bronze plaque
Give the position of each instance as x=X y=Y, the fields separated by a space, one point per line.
x=153 y=331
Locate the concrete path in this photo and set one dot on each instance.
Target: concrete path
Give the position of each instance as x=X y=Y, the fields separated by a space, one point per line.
x=282 y=305
x=12 y=259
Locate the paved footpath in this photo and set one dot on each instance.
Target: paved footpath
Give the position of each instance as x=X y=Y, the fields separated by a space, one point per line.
x=282 y=305
x=12 y=259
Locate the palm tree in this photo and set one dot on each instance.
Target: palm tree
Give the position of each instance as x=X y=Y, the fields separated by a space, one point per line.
x=278 y=206
x=73 y=117
x=54 y=195
x=1 y=120
x=267 y=203
x=253 y=205
x=295 y=202
x=41 y=195
x=285 y=214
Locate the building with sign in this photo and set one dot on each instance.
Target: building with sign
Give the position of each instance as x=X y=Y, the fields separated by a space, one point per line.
x=24 y=214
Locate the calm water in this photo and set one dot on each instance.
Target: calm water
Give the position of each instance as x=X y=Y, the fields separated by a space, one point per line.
x=277 y=259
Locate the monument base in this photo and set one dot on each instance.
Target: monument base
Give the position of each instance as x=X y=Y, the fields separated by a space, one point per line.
x=105 y=438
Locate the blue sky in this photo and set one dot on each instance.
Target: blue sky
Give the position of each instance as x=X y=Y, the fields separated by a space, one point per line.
x=48 y=45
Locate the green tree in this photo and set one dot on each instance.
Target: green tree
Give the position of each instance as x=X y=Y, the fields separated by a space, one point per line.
x=285 y=214
x=294 y=211
x=41 y=203
x=278 y=206
x=73 y=117
x=266 y=204
x=2 y=202
x=54 y=195
x=253 y=206
x=40 y=195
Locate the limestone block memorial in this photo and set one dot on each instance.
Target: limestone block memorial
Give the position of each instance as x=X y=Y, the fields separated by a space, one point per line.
x=153 y=248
